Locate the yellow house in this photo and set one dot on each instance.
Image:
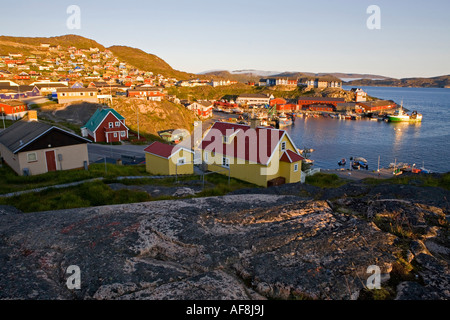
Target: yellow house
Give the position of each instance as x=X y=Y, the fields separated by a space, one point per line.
x=260 y=155
x=165 y=159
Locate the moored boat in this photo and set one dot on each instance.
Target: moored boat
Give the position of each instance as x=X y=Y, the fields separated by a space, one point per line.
x=401 y=116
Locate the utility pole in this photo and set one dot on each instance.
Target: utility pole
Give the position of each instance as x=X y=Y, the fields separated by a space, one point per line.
x=137 y=114
x=3 y=117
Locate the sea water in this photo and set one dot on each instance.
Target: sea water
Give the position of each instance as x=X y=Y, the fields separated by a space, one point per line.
x=423 y=144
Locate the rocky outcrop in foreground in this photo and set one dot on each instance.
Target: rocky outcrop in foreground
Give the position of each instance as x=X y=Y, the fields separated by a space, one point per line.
x=242 y=246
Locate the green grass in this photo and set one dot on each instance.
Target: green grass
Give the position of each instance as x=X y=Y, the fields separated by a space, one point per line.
x=98 y=193
x=424 y=180
x=325 y=180
x=11 y=182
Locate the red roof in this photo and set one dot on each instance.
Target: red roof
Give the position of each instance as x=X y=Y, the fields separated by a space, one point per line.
x=161 y=149
x=290 y=156
x=254 y=145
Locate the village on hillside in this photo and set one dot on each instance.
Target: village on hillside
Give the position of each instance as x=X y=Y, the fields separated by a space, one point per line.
x=70 y=76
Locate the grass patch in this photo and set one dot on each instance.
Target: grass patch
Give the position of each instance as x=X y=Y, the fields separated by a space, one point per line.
x=424 y=180
x=325 y=180
x=11 y=182
x=98 y=193
x=86 y=195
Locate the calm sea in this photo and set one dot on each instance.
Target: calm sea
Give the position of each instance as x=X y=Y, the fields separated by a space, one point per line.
x=424 y=144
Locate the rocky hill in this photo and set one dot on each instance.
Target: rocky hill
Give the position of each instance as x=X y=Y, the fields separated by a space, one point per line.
x=288 y=242
x=434 y=82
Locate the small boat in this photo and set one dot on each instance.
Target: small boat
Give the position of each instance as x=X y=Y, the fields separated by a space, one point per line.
x=342 y=162
x=359 y=163
x=401 y=116
x=284 y=121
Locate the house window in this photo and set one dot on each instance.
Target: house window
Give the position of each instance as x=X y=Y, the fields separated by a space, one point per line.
x=225 y=162
x=122 y=133
x=205 y=156
x=91 y=94
x=226 y=139
x=283 y=146
x=296 y=167
x=115 y=134
x=32 y=157
x=181 y=161
x=110 y=125
x=117 y=124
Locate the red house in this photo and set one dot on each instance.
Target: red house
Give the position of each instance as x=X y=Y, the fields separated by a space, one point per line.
x=150 y=93
x=277 y=101
x=13 y=109
x=306 y=102
x=106 y=125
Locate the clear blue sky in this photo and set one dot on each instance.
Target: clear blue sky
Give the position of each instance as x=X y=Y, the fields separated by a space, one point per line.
x=279 y=35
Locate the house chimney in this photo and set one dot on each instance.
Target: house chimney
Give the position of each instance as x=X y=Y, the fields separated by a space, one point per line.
x=32 y=115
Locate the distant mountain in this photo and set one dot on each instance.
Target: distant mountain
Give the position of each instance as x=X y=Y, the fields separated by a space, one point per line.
x=434 y=82
x=252 y=73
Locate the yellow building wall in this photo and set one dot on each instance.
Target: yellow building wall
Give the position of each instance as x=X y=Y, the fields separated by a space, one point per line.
x=73 y=157
x=256 y=173
x=162 y=166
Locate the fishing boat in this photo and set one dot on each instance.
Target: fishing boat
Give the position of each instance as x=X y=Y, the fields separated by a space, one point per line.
x=284 y=121
x=342 y=162
x=401 y=116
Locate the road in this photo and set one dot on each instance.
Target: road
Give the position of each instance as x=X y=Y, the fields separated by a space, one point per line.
x=100 y=151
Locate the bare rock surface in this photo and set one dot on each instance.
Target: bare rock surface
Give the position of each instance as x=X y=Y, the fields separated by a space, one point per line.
x=231 y=247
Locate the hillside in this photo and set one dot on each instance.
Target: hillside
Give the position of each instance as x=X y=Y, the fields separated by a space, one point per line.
x=154 y=116
x=148 y=62
x=27 y=45
x=434 y=82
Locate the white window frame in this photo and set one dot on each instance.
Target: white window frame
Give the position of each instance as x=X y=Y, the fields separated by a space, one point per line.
x=181 y=161
x=35 y=157
x=110 y=125
x=226 y=139
x=123 y=134
x=225 y=162
x=295 y=167
x=115 y=134
x=283 y=145
x=117 y=124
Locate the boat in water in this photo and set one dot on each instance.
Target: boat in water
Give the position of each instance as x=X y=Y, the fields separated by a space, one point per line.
x=284 y=121
x=401 y=116
x=343 y=162
x=359 y=163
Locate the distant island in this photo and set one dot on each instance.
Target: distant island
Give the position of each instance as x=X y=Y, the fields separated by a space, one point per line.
x=434 y=82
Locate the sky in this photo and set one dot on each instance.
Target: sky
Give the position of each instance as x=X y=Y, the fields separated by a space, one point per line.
x=413 y=39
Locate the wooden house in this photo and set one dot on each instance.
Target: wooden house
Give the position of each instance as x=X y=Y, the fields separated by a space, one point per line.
x=32 y=147
x=260 y=155
x=165 y=159
x=13 y=109
x=105 y=125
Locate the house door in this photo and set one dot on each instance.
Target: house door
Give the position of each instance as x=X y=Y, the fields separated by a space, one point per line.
x=51 y=161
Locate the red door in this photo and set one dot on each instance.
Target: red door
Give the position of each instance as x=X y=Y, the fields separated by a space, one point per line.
x=51 y=161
